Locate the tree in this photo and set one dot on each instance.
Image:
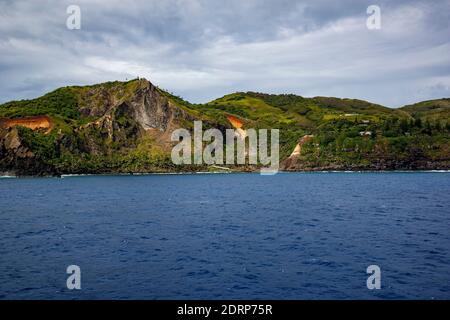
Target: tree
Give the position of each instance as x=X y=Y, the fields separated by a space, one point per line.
x=418 y=123
x=427 y=127
x=404 y=125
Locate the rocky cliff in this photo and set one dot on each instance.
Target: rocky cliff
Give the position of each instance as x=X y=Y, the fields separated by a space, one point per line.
x=114 y=122
x=126 y=127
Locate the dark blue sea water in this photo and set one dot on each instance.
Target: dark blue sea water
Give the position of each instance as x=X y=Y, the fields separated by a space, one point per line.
x=227 y=236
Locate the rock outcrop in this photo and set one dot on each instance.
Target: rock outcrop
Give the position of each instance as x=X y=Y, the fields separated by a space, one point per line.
x=123 y=118
x=17 y=159
x=291 y=162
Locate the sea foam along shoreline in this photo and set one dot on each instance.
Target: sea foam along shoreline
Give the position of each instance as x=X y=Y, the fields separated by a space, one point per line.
x=206 y=172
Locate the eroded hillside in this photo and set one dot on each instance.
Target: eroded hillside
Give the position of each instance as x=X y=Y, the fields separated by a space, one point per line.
x=126 y=127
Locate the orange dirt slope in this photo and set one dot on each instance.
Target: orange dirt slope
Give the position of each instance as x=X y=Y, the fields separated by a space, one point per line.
x=235 y=122
x=34 y=123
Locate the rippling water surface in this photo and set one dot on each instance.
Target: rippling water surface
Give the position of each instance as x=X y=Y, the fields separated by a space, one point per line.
x=227 y=236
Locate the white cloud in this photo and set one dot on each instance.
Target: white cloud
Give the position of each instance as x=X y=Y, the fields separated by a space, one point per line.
x=202 y=49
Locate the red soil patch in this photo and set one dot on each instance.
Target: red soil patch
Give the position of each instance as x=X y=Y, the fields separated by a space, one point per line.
x=235 y=122
x=34 y=123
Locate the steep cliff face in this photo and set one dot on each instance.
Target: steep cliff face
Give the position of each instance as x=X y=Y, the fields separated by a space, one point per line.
x=124 y=117
x=16 y=158
x=140 y=100
x=115 y=121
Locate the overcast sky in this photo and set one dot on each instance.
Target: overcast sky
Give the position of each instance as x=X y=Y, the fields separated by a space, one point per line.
x=204 y=49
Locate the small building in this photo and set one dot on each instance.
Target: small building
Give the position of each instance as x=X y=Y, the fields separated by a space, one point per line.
x=365 y=133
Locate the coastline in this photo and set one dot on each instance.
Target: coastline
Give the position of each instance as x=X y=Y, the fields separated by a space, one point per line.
x=118 y=174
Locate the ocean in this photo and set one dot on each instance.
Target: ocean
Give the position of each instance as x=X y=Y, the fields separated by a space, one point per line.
x=227 y=236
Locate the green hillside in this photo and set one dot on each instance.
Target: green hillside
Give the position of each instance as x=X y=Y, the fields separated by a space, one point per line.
x=126 y=126
x=432 y=110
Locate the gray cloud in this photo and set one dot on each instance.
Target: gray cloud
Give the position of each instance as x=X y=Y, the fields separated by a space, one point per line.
x=204 y=49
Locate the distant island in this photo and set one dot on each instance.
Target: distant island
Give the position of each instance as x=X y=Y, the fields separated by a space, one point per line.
x=125 y=127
